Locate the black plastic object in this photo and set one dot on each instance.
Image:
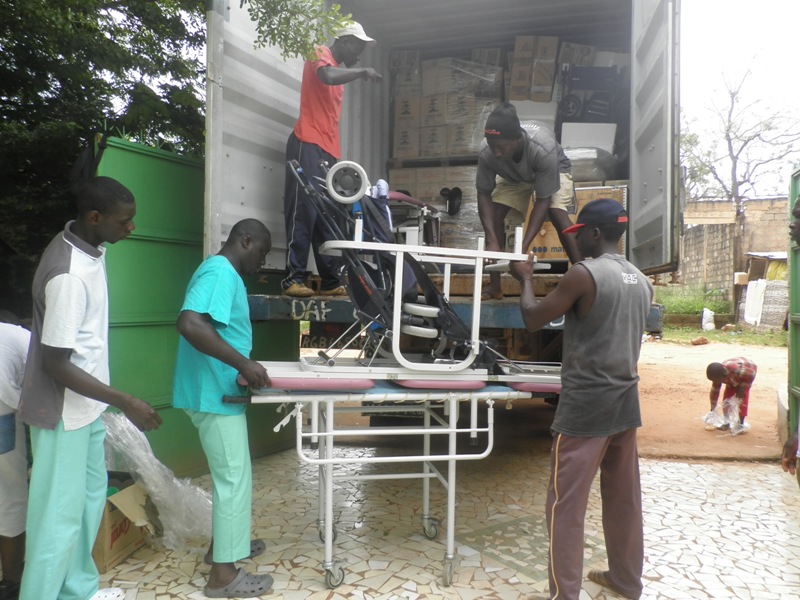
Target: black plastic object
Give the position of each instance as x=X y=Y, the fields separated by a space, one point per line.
x=452 y=197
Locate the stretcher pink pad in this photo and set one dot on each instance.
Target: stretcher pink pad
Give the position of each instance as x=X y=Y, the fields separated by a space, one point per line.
x=441 y=384
x=532 y=386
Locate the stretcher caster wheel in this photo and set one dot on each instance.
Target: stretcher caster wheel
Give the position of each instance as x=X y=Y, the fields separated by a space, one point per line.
x=447 y=573
x=335 y=577
x=431 y=529
x=334 y=533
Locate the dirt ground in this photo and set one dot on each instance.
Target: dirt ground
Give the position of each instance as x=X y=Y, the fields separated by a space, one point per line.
x=674 y=397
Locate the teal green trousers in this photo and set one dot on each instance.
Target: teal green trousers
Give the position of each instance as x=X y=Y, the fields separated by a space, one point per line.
x=65 y=505
x=224 y=440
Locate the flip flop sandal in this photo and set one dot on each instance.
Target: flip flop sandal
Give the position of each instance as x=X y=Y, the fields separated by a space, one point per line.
x=256 y=547
x=244 y=585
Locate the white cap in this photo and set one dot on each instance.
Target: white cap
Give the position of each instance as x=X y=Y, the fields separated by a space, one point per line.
x=355 y=29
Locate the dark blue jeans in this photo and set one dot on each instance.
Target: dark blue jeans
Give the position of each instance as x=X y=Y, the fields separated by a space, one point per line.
x=304 y=231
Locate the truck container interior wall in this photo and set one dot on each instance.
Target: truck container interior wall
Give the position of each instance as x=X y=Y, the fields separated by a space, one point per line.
x=646 y=30
x=253 y=98
x=147 y=278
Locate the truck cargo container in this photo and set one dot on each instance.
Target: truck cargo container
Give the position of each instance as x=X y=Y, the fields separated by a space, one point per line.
x=626 y=49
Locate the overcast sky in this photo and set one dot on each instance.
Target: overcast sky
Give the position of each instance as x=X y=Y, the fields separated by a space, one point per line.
x=728 y=37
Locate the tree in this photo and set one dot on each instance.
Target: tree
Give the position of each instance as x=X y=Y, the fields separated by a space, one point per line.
x=741 y=154
x=294 y=26
x=71 y=68
x=134 y=68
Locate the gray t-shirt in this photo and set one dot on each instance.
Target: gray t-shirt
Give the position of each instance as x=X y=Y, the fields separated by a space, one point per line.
x=599 y=378
x=70 y=310
x=543 y=160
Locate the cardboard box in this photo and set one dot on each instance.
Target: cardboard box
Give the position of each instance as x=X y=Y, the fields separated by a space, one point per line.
x=460 y=140
x=460 y=109
x=433 y=141
x=524 y=48
x=451 y=75
x=547 y=245
x=406 y=142
x=408 y=82
x=437 y=76
x=579 y=55
x=123 y=527
x=544 y=68
x=546 y=48
x=487 y=56
x=403 y=59
x=430 y=181
x=406 y=112
x=433 y=110
x=463 y=177
x=585 y=195
x=521 y=80
x=403 y=179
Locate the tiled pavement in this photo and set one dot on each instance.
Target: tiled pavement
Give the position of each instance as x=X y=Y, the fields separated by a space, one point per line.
x=713 y=530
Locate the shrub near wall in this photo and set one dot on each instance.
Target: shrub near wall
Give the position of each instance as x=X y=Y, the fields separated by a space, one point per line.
x=684 y=304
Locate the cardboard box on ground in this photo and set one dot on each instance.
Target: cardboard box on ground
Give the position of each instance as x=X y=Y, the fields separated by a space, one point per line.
x=129 y=517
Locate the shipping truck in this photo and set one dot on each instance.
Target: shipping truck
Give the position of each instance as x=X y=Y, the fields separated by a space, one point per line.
x=253 y=99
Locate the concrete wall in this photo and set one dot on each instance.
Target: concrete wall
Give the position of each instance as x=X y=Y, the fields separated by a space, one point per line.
x=708 y=240
x=707 y=257
x=766 y=225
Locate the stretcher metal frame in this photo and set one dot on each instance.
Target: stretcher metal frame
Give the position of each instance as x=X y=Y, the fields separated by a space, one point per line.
x=314 y=414
x=398 y=382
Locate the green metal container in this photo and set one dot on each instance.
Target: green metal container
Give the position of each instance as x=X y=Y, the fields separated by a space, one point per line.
x=147 y=278
x=794 y=311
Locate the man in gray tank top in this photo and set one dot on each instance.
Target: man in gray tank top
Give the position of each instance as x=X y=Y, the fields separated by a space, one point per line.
x=605 y=302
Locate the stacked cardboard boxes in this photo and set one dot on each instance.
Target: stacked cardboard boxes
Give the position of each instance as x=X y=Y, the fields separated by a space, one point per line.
x=533 y=70
x=457 y=231
x=487 y=56
x=440 y=106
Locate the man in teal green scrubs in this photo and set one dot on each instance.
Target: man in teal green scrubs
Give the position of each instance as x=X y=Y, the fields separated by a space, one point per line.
x=65 y=391
x=214 y=347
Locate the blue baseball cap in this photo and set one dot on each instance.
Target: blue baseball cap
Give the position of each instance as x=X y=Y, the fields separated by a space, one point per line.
x=603 y=211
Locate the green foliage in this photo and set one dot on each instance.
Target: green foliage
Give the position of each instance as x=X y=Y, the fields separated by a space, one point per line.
x=295 y=26
x=71 y=68
x=684 y=335
x=690 y=300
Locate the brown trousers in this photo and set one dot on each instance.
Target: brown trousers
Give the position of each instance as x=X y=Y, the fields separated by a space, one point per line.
x=574 y=462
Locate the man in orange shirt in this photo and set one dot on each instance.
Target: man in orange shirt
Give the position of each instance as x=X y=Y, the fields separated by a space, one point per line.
x=316 y=138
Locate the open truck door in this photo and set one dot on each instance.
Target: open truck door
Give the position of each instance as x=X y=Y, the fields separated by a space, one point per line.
x=655 y=188
x=252 y=103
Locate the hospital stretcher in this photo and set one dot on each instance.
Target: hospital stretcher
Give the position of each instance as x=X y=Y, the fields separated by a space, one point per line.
x=315 y=393
x=393 y=297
